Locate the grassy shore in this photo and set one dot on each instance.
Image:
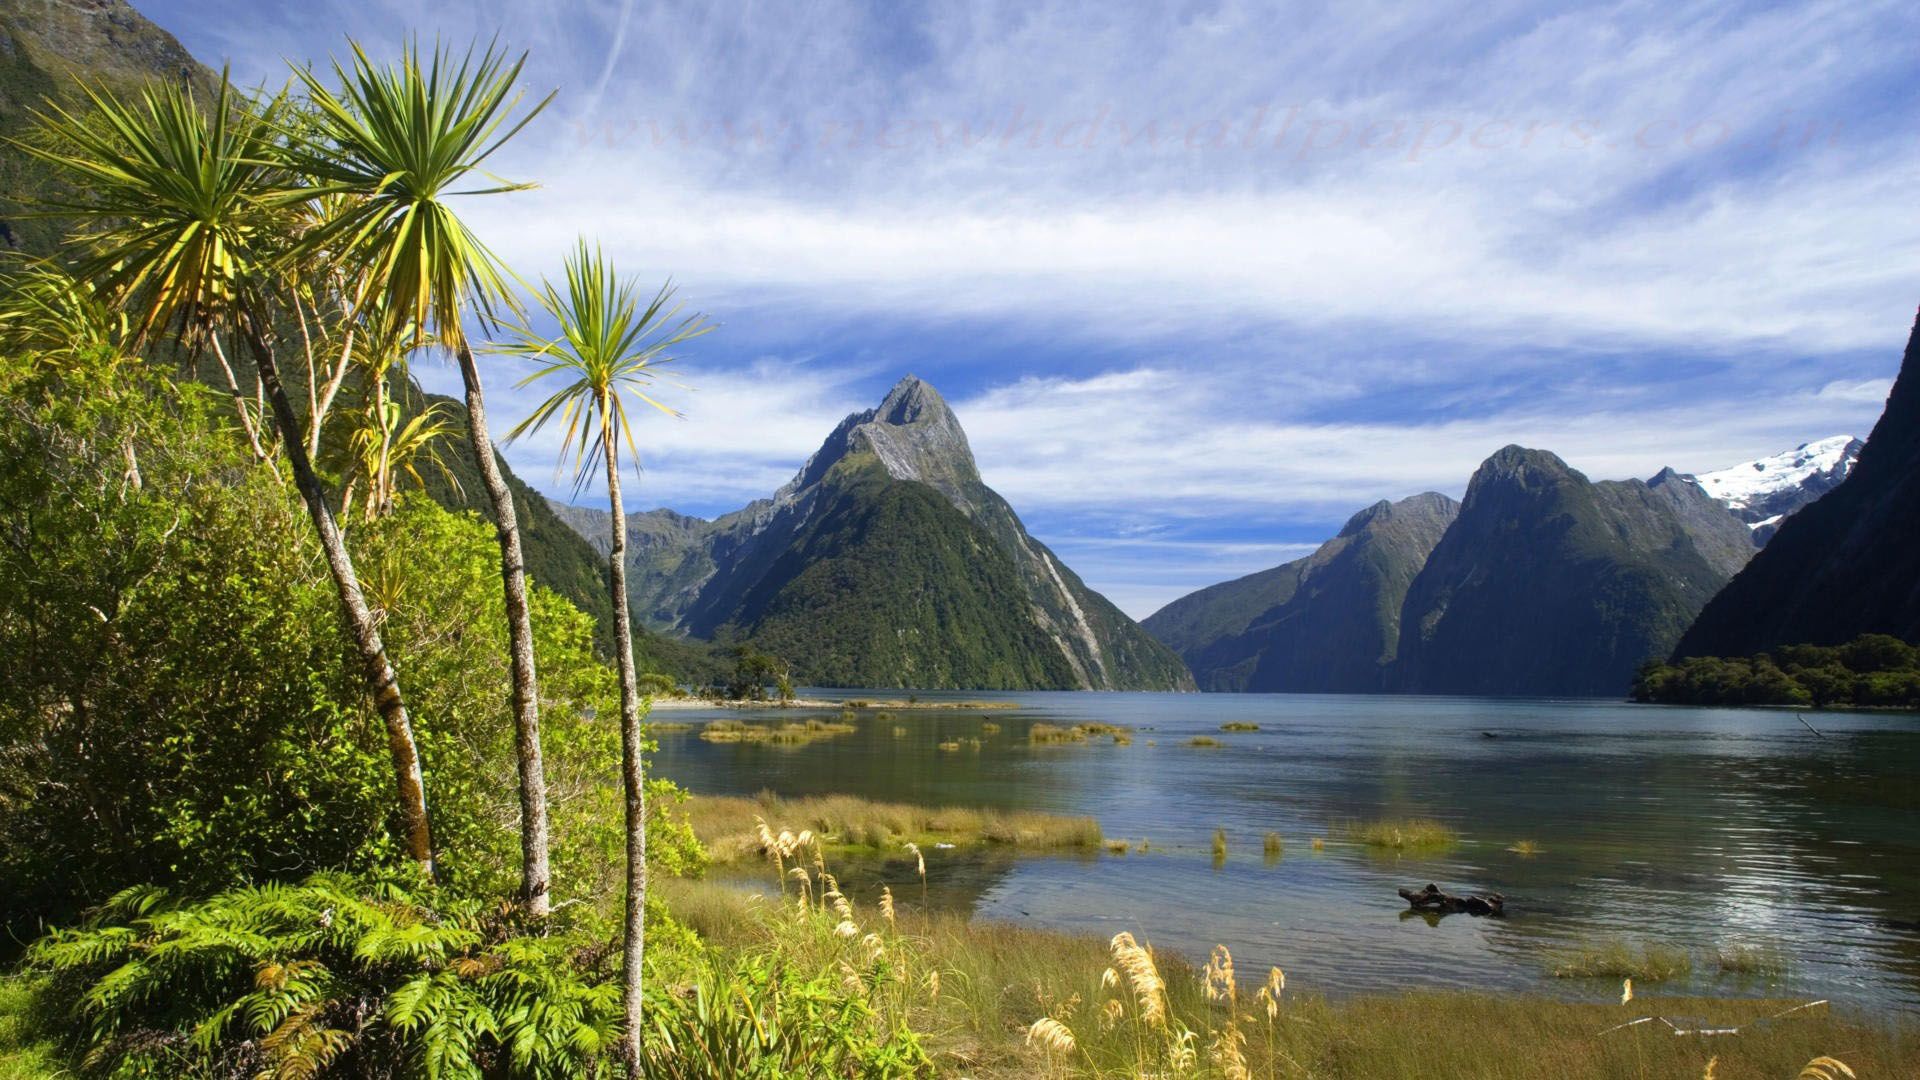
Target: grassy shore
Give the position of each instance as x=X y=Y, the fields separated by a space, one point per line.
x=977 y=989
x=690 y=702
x=727 y=825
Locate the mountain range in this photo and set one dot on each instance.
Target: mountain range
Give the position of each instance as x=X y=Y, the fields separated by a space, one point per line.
x=1847 y=565
x=887 y=562
x=1540 y=582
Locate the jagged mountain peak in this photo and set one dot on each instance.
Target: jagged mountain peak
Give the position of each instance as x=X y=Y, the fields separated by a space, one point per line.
x=915 y=436
x=1518 y=468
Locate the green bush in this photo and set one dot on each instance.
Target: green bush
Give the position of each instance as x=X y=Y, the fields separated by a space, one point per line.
x=1872 y=670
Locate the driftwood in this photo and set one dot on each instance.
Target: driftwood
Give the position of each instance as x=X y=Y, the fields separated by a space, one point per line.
x=1431 y=899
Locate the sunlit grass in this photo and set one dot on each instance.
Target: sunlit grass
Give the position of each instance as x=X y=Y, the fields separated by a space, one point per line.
x=1738 y=959
x=1272 y=845
x=1204 y=742
x=797 y=733
x=726 y=825
x=1239 y=725
x=1053 y=733
x=1405 y=834
x=1526 y=849
x=1643 y=962
x=996 y=980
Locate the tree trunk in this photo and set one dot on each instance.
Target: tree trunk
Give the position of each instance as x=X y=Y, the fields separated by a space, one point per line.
x=381 y=680
x=535 y=878
x=631 y=774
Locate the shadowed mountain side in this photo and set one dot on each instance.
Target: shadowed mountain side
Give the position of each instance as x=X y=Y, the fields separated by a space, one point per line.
x=1847 y=565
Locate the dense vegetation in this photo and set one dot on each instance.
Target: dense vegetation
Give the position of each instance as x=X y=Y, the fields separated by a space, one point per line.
x=1873 y=670
x=889 y=585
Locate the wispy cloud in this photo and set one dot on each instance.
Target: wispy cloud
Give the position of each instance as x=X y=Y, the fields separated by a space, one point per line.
x=1244 y=270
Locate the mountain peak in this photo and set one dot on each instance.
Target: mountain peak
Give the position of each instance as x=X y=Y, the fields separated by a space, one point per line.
x=1517 y=468
x=913 y=433
x=911 y=399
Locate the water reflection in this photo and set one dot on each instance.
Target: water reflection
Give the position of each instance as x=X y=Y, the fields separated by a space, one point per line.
x=1692 y=827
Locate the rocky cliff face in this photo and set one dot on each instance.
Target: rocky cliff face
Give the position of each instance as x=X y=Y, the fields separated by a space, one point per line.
x=1551 y=584
x=44 y=46
x=1327 y=623
x=1849 y=564
x=728 y=577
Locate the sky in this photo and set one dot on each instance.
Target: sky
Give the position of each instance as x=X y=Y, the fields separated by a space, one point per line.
x=1201 y=280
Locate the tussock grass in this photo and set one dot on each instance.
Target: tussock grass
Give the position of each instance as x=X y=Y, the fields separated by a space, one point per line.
x=726 y=825
x=1404 y=834
x=1053 y=733
x=995 y=981
x=797 y=733
x=1273 y=845
x=1526 y=849
x=1219 y=843
x=1239 y=725
x=988 y=727
x=1643 y=962
x=1204 y=742
x=1118 y=847
x=1739 y=959
x=668 y=727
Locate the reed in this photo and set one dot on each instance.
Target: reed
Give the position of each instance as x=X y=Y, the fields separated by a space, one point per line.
x=1272 y=846
x=1407 y=834
x=1044 y=733
x=1239 y=725
x=796 y=733
x=1219 y=843
x=1646 y=962
x=1526 y=849
x=728 y=825
x=667 y=727
x=1763 y=960
x=1134 y=1011
x=1204 y=742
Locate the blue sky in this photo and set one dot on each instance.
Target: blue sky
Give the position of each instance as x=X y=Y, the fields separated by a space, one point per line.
x=1203 y=281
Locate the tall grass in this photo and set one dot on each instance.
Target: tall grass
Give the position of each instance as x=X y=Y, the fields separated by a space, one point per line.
x=727 y=825
x=1643 y=962
x=797 y=733
x=1405 y=834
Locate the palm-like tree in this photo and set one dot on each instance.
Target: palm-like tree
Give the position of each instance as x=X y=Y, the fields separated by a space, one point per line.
x=399 y=143
x=609 y=350
x=182 y=212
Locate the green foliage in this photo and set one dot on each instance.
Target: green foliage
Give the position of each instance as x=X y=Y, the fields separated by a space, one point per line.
x=760 y=1018
x=181 y=709
x=1871 y=670
x=890 y=585
x=754 y=672
x=329 y=977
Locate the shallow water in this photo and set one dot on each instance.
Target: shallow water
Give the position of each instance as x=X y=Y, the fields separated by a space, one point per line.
x=1695 y=828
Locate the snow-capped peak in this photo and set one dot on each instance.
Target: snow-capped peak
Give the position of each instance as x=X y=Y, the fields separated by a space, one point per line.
x=1747 y=485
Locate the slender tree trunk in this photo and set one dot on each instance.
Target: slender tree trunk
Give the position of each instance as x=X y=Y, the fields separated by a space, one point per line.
x=381 y=680
x=383 y=482
x=535 y=878
x=631 y=774
x=239 y=399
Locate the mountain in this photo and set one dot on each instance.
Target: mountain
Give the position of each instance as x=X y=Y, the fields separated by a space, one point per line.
x=1763 y=492
x=886 y=561
x=44 y=44
x=1329 y=622
x=1551 y=584
x=557 y=556
x=1847 y=565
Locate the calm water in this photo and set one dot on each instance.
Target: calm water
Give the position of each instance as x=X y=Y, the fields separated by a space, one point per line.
x=1690 y=827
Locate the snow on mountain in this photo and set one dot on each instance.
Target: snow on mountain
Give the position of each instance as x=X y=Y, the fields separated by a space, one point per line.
x=1763 y=492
